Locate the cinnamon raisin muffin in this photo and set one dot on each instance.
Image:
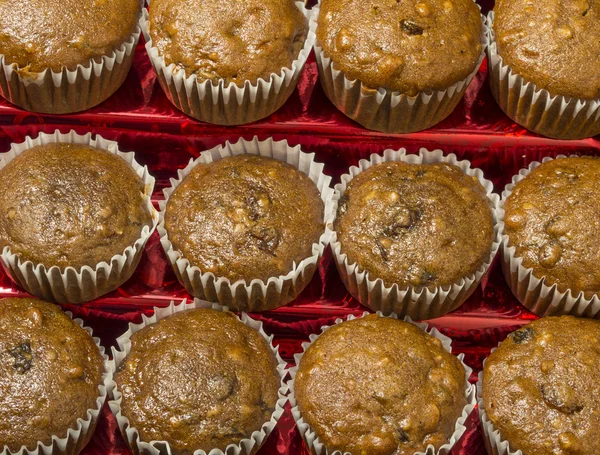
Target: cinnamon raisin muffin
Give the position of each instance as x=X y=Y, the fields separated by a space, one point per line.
x=541 y=387
x=380 y=386
x=50 y=370
x=199 y=379
x=245 y=217
x=552 y=218
x=228 y=40
x=70 y=205
x=404 y=46
x=420 y=225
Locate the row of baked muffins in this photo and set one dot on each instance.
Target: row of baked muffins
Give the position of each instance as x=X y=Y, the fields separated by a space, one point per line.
x=391 y=66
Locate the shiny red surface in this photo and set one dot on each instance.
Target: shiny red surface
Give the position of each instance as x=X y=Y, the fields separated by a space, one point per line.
x=141 y=119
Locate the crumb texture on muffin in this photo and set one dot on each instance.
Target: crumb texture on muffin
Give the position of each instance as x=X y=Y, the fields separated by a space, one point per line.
x=50 y=370
x=405 y=46
x=41 y=34
x=245 y=217
x=541 y=387
x=200 y=379
x=552 y=218
x=70 y=205
x=380 y=386
x=415 y=224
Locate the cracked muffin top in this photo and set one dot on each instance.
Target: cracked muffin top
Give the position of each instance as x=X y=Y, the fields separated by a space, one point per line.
x=199 y=379
x=401 y=45
x=541 y=387
x=380 y=386
x=41 y=34
x=50 y=370
x=420 y=225
x=552 y=217
x=228 y=40
x=245 y=217
x=553 y=44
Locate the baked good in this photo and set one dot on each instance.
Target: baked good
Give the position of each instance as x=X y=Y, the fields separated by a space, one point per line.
x=70 y=205
x=245 y=217
x=552 y=44
x=380 y=386
x=552 y=218
x=199 y=379
x=50 y=370
x=228 y=40
x=420 y=225
x=402 y=46
x=541 y=387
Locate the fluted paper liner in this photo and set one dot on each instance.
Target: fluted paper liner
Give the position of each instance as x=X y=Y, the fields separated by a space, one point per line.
x=246 y=446
x=531 y=291
x=76 y=438
x=418 y=303
x=385 y=110
x=558 y=117
x=223 y=104
x=309 y=435
x=68 y=91
x=72 y=285
x=255 y=295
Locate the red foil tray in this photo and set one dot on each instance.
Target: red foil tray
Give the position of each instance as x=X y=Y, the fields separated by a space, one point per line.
x=141 y=119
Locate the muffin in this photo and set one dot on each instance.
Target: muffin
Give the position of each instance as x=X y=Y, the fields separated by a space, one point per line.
x=223 y=43
x=50 y=371
x=41 y=37
x=379 y=386
x=199 y=380
x=398 y=48
x=552 y=47
x=541 y=388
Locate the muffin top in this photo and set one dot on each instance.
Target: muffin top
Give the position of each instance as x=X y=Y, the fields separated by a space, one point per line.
x=228 y=40
x=70 y=205
x=200 y=379
x=245 y=217
x=40 y=34
x=380 y=386
x=552 y=218
x=552 y=43
x=50 y=370
x=415 y=224
x=541 y=387
x=405 y=46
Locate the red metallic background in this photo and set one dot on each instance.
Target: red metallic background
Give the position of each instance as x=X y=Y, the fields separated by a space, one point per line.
x=142 y=120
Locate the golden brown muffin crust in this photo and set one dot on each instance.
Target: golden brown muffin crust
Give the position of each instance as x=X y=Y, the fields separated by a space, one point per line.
x=379 y=386
x=200 y=379
x=541 y=387
x=50 y=370
x=231 y=40
x=552 y=43
x=40 y=34
x=415 y=224
x=405 y=46
x=245 y=217
x=70 y=205
x=552 y=218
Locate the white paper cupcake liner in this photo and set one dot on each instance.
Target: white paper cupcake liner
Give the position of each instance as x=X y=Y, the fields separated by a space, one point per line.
x=255 y=295
x=385 y=110
x=73 y=285
x=418 y=303
x=533 y=292
x=68 y=91
x=223 y=104
x=558 y=117
x=78 y=436
x=316 y=447
x=246 y=446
